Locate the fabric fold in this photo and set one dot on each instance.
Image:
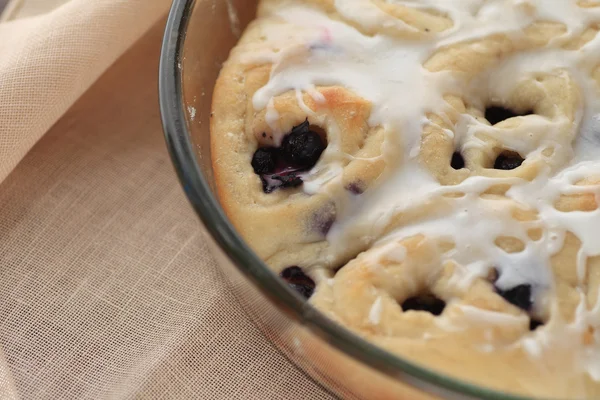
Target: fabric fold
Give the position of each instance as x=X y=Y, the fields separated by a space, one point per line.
x=49 y=60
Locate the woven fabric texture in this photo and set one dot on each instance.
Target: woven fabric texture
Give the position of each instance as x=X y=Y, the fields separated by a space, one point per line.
x=49 y=60
x=107 y=290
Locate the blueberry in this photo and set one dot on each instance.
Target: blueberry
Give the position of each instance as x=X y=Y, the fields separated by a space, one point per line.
x=278 y=167
x=424 y=302
x=302 y=147
x=519 y=296
x=298 y=280
x=495 y=114
x=508 y=161
x=263 y=161
x=534 y=324
x=457 y=161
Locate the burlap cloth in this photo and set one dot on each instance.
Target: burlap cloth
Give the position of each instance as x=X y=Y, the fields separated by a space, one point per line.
x=106 y=288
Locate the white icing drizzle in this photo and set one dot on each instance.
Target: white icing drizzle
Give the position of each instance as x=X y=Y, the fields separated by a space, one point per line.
x=486 y=317
x=272 y=119
x=388 y=72
x=566 y=339
x=375 y=312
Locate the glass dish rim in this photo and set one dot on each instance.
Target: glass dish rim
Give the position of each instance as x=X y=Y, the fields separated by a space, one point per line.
x=209 y=211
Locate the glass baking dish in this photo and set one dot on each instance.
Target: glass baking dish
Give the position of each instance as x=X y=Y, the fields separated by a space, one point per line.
x=198 y=38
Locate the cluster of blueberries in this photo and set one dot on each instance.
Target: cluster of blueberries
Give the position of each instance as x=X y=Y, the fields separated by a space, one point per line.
x=519 y=295
x=280 y=167
x=506 y=160
x=300 y=150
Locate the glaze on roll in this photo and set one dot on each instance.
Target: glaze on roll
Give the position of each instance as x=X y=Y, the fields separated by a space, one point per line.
x=427 y=173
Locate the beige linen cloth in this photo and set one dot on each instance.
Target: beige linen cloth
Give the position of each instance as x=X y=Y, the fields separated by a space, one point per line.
x=107 y=290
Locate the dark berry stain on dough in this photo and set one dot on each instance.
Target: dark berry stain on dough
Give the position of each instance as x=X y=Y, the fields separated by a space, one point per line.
x=324 y=219
x=355 y=188
x=424 y=302
x=508 y=160
x=495 y=114
x=280 y=167
x=298 y=280
x=457 y=161
x=519 y=296
x=285 y=181
x=326 y=224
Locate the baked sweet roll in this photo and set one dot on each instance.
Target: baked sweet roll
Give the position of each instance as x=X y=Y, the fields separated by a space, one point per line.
x=427 y=174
